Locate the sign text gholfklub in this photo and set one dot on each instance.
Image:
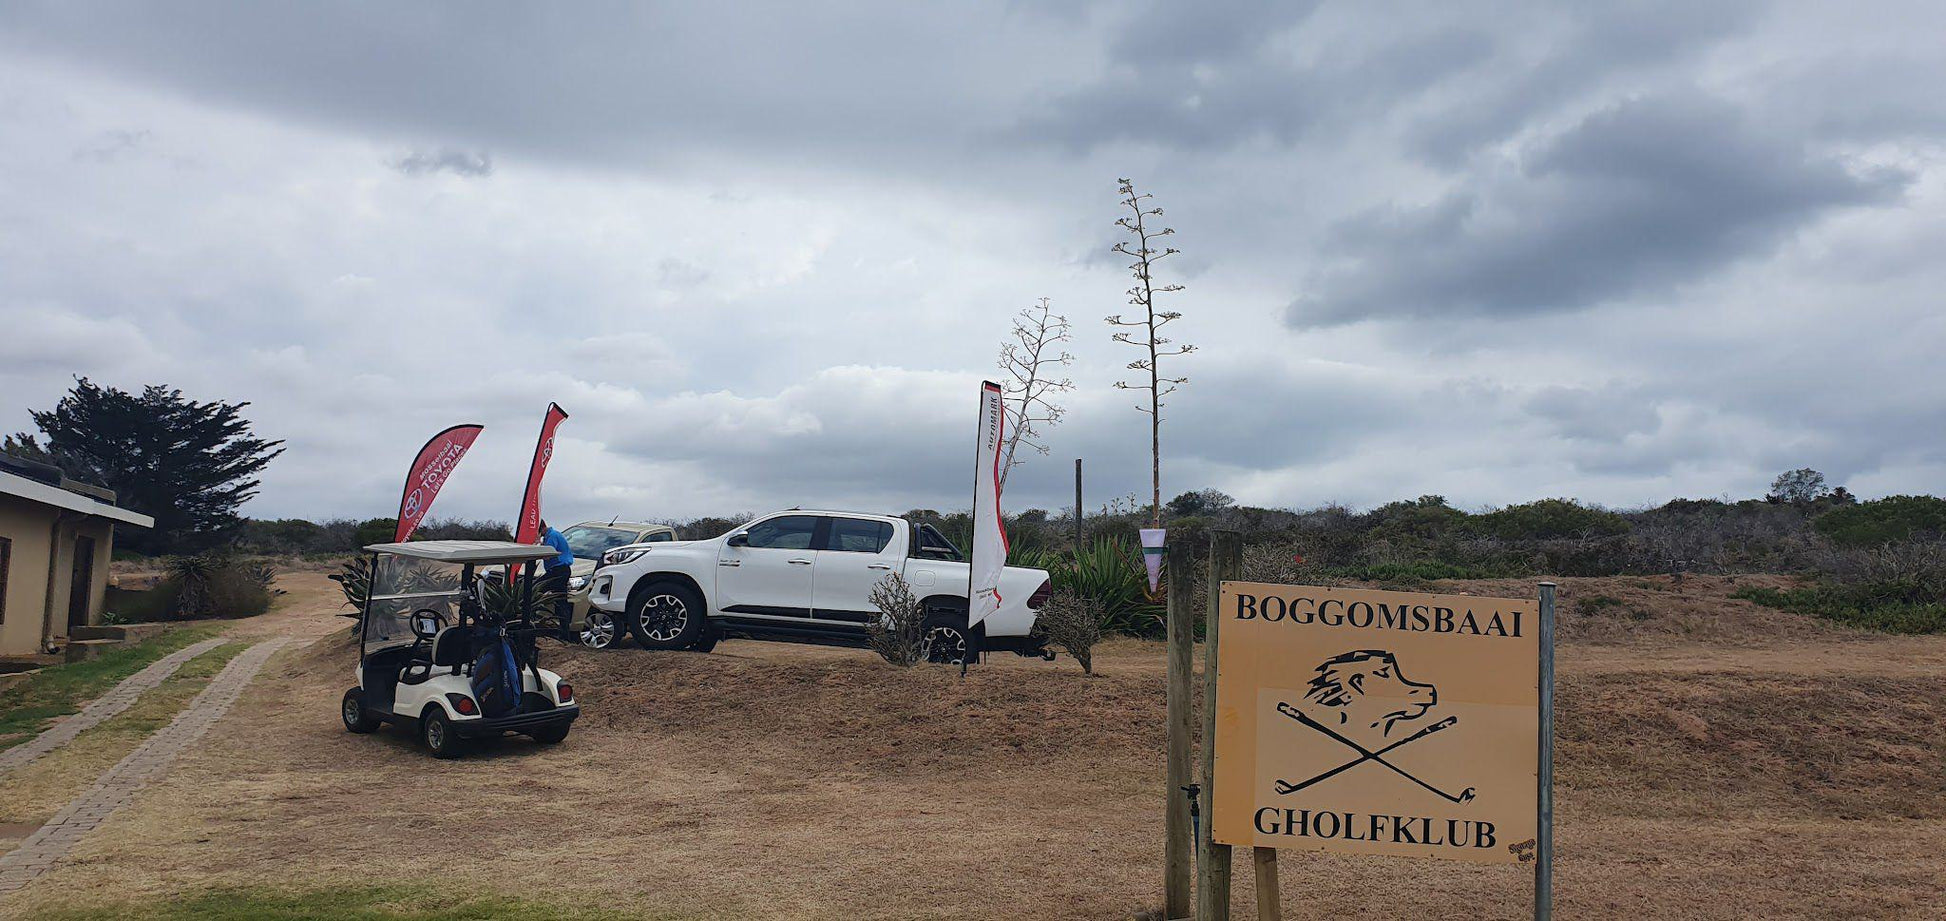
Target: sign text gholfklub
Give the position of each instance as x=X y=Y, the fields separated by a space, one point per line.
x=1404 y=616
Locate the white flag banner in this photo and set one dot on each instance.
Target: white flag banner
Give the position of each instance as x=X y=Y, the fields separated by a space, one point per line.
x=989 y=534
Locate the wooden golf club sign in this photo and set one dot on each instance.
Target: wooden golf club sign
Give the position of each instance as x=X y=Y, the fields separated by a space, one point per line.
x=1369 y=722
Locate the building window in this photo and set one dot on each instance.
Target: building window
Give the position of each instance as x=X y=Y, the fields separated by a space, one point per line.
x=6 y=565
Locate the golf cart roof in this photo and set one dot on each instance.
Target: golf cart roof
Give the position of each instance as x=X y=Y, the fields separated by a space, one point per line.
x=467 y=551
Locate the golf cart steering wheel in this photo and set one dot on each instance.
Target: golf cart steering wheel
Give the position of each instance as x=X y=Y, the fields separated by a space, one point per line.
x=438 y=619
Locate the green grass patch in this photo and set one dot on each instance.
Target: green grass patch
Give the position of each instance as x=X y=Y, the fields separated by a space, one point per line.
x=1885 y=608
x=1607 y=606
x=370 y=903
x=28 y=705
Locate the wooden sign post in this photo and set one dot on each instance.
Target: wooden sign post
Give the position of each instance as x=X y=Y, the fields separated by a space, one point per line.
x=1372 y=722
x=1177 y=850
x=1213 y=859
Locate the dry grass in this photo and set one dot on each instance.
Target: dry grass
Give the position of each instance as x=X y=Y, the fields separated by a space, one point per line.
x=1703 y=774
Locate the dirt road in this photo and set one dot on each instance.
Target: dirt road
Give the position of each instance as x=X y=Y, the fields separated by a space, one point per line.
x=1716 y=761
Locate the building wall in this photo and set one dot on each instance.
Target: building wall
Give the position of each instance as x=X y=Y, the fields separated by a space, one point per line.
x=24 y=622
x=26 y=525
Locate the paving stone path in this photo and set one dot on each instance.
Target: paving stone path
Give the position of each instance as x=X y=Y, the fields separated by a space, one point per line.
x=120 y=698
x=117 y=786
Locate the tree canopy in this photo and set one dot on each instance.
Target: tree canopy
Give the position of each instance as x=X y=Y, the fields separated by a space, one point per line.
x=190 y=465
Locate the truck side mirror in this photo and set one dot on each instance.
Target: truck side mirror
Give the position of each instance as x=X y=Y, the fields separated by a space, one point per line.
x=739 y=540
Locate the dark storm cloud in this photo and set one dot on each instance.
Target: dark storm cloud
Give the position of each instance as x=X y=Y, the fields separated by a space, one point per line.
x=1634 y=199
x=1199 y=76
x=1585 y=47
x=457 y=162
x=611 y=83
x=763 y=252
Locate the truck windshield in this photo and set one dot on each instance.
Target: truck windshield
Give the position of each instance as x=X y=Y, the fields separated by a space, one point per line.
x=589 y=543
x=928 y=543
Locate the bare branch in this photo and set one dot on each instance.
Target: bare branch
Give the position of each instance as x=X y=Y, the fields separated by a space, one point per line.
x=1142 y=295
x=1029 y=358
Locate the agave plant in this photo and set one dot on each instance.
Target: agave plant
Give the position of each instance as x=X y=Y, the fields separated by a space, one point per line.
x=354 y=578
x=1109 y=574
x=504 y=601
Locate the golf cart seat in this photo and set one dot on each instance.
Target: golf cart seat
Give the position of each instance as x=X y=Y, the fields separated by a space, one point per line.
x=451 y=647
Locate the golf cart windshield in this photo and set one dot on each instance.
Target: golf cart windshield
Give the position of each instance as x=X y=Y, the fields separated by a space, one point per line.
x=429 y=575
x=402 y=585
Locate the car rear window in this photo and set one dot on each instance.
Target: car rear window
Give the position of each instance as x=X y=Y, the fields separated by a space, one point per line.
x=856 y=535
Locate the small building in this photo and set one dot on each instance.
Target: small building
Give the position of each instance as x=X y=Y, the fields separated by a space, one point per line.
x=56 y=538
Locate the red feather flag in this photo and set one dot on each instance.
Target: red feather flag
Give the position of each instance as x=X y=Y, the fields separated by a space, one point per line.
x=429 y=472
x=528 y=530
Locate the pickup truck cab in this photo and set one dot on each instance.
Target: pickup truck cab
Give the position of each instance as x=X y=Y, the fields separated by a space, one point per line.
x=808 y=575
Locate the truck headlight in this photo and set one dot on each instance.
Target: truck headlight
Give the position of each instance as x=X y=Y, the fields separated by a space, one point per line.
x=623 y=555
x=577 y=583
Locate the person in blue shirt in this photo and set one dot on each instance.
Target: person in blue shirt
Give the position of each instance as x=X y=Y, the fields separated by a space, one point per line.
x=555 y=579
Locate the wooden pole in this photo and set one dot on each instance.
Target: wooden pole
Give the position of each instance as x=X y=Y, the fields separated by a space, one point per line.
x=1544 y=789
x=1077 y=508
x=1270 y=906
x=1177 y=851
x=1212 y=859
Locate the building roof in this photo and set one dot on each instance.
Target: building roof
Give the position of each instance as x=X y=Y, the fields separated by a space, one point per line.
x=467 y=551
x=34 y=491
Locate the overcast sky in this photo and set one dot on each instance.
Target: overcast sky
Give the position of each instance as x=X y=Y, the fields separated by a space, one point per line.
x=765 y=253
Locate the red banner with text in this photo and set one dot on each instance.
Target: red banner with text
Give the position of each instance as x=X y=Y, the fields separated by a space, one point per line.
x=429 y=472
x=528 y=530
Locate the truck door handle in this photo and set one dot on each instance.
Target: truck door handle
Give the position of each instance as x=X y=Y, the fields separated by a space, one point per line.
x=878 y=566
x=729 y=562
x=800 y=562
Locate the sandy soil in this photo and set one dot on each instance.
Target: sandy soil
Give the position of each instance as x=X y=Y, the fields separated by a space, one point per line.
x=1717 y=760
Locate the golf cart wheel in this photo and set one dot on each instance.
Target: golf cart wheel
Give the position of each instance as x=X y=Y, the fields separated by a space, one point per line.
x=599 y=630
x=438 y=733
x=947 y=641
x=357 y=719
x=549 y=736
x=666 y=615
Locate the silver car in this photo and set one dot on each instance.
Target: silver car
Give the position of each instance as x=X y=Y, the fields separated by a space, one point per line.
x=588 y=541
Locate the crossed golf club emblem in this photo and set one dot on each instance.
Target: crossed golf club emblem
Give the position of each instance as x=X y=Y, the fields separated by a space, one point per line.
x=1346 y=684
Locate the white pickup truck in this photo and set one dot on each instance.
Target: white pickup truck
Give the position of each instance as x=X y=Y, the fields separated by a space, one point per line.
x=808 y=575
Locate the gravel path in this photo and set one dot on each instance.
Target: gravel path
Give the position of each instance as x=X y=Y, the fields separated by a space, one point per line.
x=117 y=786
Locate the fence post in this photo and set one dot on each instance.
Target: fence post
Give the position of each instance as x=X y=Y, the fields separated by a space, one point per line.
x=1544 y=788
x=1270 y=905
x=1177 y=852
x=1212 y=859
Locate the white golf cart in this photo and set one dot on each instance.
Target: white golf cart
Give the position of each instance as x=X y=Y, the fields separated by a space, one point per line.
x=450 y=652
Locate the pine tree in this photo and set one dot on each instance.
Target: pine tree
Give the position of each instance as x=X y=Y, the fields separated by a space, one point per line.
x=189 y=465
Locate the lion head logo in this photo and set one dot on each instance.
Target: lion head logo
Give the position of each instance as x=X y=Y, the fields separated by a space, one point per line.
x=1366 y=687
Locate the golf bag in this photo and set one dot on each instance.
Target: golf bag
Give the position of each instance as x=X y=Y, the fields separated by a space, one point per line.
x=496 y=676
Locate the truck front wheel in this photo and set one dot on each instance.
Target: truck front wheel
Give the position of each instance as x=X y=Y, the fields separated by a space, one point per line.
x=666 y=615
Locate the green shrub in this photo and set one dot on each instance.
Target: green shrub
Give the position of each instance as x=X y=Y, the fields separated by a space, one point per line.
x=1072 y=624
x=1414 y=571
x=1548 y=519
x=1886 y=607
x=210 y=585
x=1883 y=521
x=898 y=635
x=374 y=531
x=1428 y=518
